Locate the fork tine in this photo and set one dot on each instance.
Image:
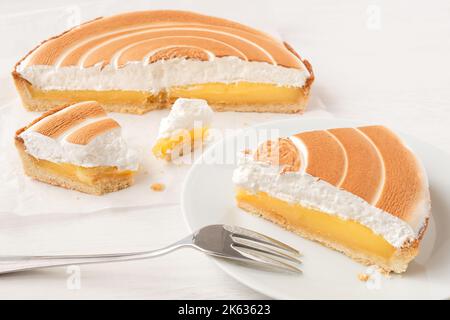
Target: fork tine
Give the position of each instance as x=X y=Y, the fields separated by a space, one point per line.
x=269 y=252
x=271 y=249
x=258 y=237
x=265 y=260
x=264 y=245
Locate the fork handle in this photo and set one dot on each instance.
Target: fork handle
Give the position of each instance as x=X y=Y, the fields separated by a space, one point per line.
x=9 y=264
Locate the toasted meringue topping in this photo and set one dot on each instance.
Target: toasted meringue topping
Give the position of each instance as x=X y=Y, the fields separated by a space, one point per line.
x=81 y=134
x=366 y=174
x=58 y=123
x=281 y=152
x=146 y=36
x=326 y=157
x=155 y=50
x=89 y=132
x=362 y=156
x=403 y=186
x=177 y=52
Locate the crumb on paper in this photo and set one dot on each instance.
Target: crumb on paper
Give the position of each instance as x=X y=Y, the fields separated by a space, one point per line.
x=158 y=187
x=363 y=277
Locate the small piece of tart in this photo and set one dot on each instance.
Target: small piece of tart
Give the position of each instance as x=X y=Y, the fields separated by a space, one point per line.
x=184 y=129
x=140 y=61
x=360 y=191
x=77 y=147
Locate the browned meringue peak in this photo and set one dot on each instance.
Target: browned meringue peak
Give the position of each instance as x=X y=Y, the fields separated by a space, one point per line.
x=169 y=53
x=138 y=36
x=58 y=123
x=87 y=133
x=364 y=176
x=326 y=158
x=404 y=181
x=281 y=152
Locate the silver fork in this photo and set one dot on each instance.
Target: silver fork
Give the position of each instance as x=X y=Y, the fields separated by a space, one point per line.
x=224 y=241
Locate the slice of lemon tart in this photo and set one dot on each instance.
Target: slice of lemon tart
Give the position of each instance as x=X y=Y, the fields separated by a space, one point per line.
x=139 y=61
x=360 y=191
x=184 y=129
x=77 y=147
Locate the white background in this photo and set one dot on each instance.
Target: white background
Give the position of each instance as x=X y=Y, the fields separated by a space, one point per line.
x=382 y=61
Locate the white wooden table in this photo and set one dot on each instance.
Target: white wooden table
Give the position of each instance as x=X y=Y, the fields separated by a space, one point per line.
x=383 y=61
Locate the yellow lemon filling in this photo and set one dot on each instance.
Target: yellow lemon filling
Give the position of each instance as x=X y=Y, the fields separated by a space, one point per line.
x=238 y=93
x=179 y=143
x=85 y=175
x=214 y=93
x=328 y=228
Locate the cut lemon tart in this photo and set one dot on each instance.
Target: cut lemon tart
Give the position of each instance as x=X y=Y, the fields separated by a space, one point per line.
x=140 y=61
x=360 y=191
x=77 y=147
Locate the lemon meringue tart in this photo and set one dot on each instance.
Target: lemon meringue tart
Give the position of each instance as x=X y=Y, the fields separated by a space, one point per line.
x=140 y=61
x=77 y=147
x=360 y=191
x=185 y=128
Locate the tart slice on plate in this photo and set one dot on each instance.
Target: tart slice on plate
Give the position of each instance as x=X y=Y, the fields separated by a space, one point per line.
x=77 y=147
x=140 y=61
x=360 y=191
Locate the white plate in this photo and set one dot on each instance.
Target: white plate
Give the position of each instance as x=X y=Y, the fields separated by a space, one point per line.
x=208 y=198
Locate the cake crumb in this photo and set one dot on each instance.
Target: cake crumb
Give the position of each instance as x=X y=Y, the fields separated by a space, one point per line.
x=158 y=187
x=363 y=277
